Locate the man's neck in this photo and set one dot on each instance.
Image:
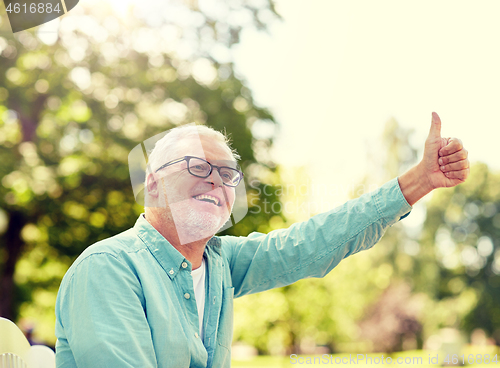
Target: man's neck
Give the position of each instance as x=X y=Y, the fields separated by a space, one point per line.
x=192 y=251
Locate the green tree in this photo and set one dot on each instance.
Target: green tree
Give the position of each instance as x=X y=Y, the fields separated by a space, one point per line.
x=328 y=311
x=450 y=260
x=462 y=232
x=71 y=111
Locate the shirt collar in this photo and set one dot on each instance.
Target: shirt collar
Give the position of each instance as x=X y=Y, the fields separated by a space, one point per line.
x=170 y=259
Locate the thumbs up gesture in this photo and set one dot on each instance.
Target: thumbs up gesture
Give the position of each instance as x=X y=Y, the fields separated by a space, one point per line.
x=445 y=162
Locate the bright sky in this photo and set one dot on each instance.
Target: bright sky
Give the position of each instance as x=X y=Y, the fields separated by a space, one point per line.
x=334 y=72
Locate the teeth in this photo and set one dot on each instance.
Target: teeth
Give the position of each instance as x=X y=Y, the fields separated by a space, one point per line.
x=204 y=196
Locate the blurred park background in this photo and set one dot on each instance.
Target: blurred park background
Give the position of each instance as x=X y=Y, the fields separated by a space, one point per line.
x=323 y=101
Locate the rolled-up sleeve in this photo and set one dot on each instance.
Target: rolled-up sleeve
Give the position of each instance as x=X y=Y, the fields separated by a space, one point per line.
x=313 y=248
x=100 y=317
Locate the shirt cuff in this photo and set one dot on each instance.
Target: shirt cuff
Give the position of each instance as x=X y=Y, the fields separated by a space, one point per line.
x=391 y=203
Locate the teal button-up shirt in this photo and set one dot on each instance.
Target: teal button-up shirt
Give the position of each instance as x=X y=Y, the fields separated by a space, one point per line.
x=127 y=301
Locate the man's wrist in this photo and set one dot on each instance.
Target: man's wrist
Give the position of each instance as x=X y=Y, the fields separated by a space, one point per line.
x=414 y=184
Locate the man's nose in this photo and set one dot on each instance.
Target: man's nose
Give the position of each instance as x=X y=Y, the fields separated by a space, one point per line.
x=215 y=179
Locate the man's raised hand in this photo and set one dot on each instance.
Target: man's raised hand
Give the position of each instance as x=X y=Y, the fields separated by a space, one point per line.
x=445 y=163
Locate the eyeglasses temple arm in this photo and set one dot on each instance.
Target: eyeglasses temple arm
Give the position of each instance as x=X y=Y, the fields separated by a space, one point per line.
x=170 y=163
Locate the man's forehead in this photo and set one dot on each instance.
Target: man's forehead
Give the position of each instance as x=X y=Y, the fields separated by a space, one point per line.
x=204 y=148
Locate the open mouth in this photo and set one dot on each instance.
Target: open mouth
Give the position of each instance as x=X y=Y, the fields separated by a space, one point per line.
x=208 y=198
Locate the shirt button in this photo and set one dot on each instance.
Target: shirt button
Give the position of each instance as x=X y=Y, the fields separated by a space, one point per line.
x=171 y=272
x=196 y=335
x=184 y=264
x=187 y=296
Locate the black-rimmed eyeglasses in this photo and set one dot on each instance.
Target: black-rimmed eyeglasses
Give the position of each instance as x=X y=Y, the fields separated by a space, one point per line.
x=200 y=168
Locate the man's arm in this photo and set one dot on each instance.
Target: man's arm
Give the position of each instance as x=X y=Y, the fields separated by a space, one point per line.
x=444 y=165
x=100 y=317
x=312 y=248
x=413 y=185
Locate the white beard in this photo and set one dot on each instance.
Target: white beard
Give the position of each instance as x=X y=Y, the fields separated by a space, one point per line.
x=202 y=222
x=193 y=225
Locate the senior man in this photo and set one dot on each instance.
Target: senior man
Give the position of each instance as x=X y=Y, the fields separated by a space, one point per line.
x=161 y=293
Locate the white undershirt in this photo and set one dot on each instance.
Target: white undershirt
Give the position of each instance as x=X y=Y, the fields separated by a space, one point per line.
x=199 y=292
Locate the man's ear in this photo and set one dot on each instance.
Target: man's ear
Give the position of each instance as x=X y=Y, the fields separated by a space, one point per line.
x=152 y=185
x=153 y=196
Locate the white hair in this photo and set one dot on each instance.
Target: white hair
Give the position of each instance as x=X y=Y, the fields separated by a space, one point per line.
x=165 y=149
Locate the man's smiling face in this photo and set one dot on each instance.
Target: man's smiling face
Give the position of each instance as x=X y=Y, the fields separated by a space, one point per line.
x=199 y=207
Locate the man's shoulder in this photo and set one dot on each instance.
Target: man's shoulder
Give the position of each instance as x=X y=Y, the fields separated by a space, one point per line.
x=126 y=241
x=231 y=240
x=118 y=246
x=106 y=256
x=228 y=244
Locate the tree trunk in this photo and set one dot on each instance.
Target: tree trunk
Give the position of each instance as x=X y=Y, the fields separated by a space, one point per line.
x=14 y=246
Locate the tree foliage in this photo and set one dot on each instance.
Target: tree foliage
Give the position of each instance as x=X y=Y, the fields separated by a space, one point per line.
x=462 y=231
x=329 y=312
x=437 y=268
x=71 y=111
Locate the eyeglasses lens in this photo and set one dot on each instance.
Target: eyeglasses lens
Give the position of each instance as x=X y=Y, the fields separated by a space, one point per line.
x=201 y=168
x=198 y=167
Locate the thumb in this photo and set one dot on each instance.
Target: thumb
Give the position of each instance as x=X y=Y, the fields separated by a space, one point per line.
x=435 y=126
